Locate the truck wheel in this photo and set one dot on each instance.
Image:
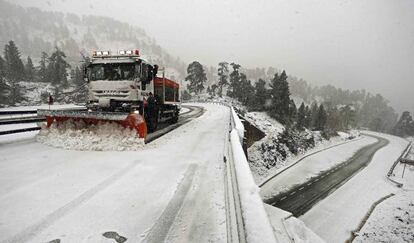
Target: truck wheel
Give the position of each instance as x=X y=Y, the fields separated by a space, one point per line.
x=174 y=119
x=152 y=123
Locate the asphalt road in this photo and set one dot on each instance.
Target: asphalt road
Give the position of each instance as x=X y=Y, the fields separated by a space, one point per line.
x=166 y=127
x=302 y=197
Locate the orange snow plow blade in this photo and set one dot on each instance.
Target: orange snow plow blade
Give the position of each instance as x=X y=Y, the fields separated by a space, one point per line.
x=128 y=120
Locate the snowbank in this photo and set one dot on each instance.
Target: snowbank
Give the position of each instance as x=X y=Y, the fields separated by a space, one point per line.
x=300 y=233
x=393 y=219
x=339 y=214
x=282 y=147
x=270 y=155
x=264 y=122
x=76 y=136
x=288 y=228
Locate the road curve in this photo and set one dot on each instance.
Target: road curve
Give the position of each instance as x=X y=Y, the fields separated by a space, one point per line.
x=194 y=112
x=302 y=197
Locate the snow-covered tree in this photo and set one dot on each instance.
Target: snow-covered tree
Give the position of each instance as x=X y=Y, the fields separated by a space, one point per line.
x=321 y=118
x=261 y=95
x=234 y=86
x=30 y=70
x=196 y=76
x=4 y=88
x=57 y=68
x=301 y=117
x=14 y=72
x=280 y=96
x=42 y=69
x=223 y=73
x=13 y=63
x=405 y=125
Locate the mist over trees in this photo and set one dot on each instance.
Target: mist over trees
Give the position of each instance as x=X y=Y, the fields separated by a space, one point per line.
x=36 y=32
x=324 y=108
x=405 y=125
x=46 y=49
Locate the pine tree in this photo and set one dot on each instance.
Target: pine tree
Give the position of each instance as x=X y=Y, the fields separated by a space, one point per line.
x=214 y=88
x=234 y=86
x=293 y=111
x=13 y=62
x=4 y=87
x=196 y=76
x=308 y=117
x=14 y=72
x=261 y=95
x=30 y=70
x=313 y=115
x=208 y=90
x=348 y=115
x=246 y=91
x=57 y=68
x=223 y=73
x=321 y=119
x=280 y=109
x=301 y=118
x=405 y=125
x=42 y=69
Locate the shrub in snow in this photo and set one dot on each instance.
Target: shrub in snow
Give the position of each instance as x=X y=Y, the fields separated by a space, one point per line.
x=273 y=150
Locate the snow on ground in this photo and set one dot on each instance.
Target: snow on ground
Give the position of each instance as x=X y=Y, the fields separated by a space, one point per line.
x=393 y=219
x=49 y=193
x=311 y=166
x=269 y=155
x=102 y=137
x=184 y=110
x=262 y=173
x=288 y=227
x=335 y=217
x=264 y=122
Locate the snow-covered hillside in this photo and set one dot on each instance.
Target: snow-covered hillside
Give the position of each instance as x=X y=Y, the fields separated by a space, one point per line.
x=281 y=147
x=35 y=31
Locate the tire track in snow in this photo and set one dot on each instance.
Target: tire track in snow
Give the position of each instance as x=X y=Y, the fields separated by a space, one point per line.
x=160 y=229
x=31 y=231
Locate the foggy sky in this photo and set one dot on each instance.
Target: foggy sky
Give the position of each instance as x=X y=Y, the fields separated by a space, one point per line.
x=356 y=44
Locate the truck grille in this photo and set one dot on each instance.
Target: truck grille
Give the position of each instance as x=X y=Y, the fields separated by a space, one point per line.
x=111 y=93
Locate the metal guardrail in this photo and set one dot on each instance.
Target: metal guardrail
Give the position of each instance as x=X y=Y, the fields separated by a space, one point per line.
x=25 y=120
x=16 y=112
x=390 y=172
x=406 y=150
x=29 y=129
x=251 y=206
x=20 y=120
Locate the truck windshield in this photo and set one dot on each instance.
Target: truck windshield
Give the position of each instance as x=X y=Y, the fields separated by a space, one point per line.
x=118 y=71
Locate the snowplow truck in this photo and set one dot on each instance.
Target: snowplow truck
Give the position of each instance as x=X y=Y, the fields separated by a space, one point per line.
x=125 y=89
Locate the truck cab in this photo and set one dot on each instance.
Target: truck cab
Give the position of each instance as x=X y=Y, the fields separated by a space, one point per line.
x=123 y=83
x=118 y=82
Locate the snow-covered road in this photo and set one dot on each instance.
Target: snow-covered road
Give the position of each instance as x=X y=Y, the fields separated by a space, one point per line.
x=75 y=196
x=340 y=213
x=311 y=166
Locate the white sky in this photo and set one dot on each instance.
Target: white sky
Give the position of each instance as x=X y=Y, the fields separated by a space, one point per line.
x=351 y=44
